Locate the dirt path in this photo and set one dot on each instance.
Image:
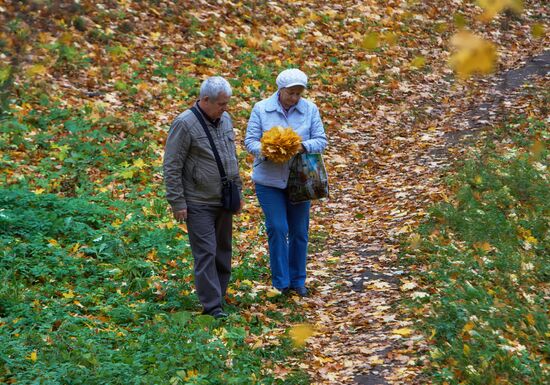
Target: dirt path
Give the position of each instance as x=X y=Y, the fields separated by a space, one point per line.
x=496 y=103
x=385 y=183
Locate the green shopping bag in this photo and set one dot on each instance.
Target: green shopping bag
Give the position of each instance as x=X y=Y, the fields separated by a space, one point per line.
x=308 y=178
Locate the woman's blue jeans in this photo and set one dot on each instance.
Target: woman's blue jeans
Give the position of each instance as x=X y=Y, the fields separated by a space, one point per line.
x=287 y=234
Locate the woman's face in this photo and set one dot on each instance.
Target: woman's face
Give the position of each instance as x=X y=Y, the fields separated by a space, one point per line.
x=290 y=96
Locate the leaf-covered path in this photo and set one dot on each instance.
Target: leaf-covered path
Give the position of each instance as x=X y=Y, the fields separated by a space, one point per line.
x=363 y=336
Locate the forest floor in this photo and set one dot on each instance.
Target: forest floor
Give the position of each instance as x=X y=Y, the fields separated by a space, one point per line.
x=89 y=91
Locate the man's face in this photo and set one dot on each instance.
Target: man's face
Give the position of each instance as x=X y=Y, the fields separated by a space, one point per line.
x=216 y=107
x=290 y=96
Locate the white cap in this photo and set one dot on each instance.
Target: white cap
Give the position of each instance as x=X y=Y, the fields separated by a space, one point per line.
x=291 y=77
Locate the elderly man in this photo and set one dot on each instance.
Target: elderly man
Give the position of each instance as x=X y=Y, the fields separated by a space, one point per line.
x=193 y=187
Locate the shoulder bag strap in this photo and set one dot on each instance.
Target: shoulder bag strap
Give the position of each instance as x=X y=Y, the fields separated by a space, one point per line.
x=212 y=145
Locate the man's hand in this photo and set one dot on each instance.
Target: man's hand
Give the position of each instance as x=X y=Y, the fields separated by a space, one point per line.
x=181 y=215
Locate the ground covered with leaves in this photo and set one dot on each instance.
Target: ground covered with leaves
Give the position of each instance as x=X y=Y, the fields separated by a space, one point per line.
x=97 y=283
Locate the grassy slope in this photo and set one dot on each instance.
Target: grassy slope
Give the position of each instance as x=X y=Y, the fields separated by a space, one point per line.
x=483 y=258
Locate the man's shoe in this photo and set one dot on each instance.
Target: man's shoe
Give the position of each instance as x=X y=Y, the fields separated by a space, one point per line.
x=284 y=291
x=301 y=291
x=219 y=314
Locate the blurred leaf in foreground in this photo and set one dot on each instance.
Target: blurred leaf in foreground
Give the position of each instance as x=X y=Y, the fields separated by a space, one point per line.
x=300 y=333
x=473 y=54
x=538 y=30
x=494 y=7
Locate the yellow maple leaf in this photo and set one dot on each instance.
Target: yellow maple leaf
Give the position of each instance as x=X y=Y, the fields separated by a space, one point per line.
x=273 y=293
x=418 y=62
x=152 y=255
x=370 y=41
x=45 y=37
x=532 y=240
x=127 y=174
x=404 y=332
x=280 y=144
x=190 y=374
x=436 y=353
x=300 y=333
x=538 y=30
x=375 y=360
x=390 y=38
x=68 y=295
x=415 y=241
x=53 y=242
x=65 y=38
x=33 y=356
x=468 y=326
x=485 y=246
x=527 y=236
x=537 y=148
x=254 y=41
x=37 y=69
x=473 y=54
x=139 y=163
x=211 y=62
x=102 y=189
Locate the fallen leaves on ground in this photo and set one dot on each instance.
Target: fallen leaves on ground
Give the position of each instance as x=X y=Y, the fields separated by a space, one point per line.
x=380 y=76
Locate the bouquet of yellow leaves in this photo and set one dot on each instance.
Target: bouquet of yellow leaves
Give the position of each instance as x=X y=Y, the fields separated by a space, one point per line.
x=280 y=144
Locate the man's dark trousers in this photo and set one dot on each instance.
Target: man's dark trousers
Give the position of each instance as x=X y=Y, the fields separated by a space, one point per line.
x=209 y=228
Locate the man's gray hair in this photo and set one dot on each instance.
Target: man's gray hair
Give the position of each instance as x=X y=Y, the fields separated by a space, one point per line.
x=214 y=86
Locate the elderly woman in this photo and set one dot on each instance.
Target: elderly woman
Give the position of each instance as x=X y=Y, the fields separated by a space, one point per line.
x=286 y=223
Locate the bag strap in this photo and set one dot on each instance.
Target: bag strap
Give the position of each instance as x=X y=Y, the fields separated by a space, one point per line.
x=212 y=145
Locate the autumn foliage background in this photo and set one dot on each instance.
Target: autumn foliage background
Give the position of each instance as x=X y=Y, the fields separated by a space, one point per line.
x=97 y=284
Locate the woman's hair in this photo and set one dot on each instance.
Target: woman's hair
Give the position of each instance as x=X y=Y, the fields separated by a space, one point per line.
x=214 y=86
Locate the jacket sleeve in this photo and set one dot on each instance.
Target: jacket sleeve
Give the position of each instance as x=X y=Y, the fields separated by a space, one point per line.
x=254 y=133
x=317 y=140
x=175 y=154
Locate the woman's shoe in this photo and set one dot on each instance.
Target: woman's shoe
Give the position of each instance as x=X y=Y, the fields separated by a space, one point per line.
x=301 y=291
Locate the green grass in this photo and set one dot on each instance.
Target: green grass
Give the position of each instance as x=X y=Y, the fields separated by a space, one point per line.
x=483 y=255
x=97 y=286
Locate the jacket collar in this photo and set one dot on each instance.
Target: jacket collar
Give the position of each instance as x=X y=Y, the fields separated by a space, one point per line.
x=215 y=123
x=274 y=105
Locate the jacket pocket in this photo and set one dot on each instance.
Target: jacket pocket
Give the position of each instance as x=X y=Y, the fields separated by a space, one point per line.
x=195 y=174
x=268 y=171
x=229 y=137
